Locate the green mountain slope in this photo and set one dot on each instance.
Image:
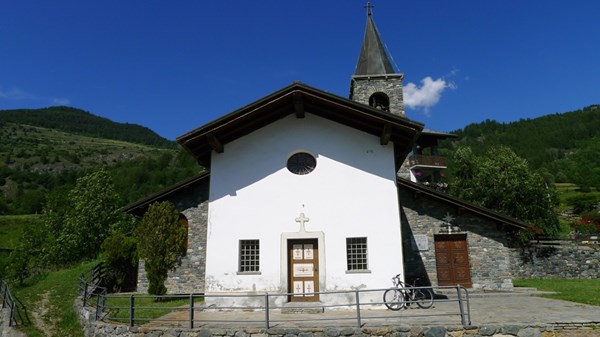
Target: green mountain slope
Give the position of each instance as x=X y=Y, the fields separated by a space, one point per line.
x=81 y=122
x=36 y=161
x=563 y=146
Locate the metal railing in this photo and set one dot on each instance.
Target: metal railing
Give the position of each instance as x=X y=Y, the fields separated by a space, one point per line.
x=269 y=309
x=90 y=286
x=16 y=309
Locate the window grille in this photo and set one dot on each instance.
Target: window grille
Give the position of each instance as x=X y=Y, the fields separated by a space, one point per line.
x=356 y=253
x=249 y=256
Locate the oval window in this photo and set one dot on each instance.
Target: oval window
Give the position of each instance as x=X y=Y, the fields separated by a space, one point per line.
x=301 y=163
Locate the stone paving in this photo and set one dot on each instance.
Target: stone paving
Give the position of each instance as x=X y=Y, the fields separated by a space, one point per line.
x=485 y=308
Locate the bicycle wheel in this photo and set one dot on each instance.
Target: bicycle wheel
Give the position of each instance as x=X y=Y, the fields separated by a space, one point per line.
x=394 y=299
x=424 y=297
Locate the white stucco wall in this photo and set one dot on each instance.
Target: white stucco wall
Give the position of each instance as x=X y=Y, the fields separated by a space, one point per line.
x=351 y=193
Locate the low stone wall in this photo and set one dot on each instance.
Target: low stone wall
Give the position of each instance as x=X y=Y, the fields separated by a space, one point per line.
x=94 y=328
x=572 y=262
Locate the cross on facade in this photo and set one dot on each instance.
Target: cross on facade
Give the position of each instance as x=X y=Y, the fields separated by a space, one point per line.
x=302 y=220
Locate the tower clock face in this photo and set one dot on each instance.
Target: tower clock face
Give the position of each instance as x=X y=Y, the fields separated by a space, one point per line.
x=301 y=163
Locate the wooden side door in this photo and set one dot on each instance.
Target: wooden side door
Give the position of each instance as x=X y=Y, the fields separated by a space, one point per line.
x=452 y=260
x=303 y=270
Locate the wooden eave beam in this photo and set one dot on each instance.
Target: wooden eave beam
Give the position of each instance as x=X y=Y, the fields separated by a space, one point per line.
x=386 y=134
x=215 y=143
x=298 y=105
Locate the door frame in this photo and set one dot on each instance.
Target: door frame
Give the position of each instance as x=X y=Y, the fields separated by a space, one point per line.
x=285 y=237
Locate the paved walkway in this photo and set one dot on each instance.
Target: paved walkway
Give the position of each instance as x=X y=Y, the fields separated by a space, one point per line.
x=519 y=308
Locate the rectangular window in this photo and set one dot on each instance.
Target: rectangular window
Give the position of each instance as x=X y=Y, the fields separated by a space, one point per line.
x=356 y=254
x=249 y=256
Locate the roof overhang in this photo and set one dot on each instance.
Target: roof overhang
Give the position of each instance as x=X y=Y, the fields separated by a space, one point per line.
x=140 y=207
x=299 y=99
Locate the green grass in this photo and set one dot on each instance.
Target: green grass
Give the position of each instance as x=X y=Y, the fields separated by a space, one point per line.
x=580 y=291
x=146 y=307
x=11 y=228
x=56 y=293
x=568 y=190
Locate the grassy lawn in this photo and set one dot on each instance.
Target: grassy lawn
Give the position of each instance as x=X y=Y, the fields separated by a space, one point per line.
x=146 y=307
x=580 y=291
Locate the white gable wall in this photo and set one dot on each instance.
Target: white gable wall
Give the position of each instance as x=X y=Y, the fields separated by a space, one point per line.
x=351 y=193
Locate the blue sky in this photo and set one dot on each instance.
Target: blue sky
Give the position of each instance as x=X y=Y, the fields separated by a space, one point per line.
x=175 y=65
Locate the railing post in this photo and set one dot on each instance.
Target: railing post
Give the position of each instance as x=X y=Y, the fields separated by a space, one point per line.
x=358 y=319
x=3 y=293
x=131 y=310
x=191 y=311
x=98 y=310
x=267 y=323
x=468 y=306
x=12 y=314
x=460 y=306
x=85 y=289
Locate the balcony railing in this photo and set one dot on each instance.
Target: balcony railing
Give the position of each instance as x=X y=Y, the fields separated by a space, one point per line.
x=427 y=161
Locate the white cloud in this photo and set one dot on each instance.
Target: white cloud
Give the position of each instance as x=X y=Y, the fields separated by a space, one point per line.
x=61 y=101
x=426 y=95
x=15 y=94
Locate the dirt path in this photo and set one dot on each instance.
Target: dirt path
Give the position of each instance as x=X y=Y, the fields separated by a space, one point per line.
x=40 y=315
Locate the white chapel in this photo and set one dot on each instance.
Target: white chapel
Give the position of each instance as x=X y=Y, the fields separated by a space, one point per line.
x=303 y=193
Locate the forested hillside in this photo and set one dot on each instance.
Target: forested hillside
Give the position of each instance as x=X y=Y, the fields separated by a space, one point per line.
x=39 y=155
x=564 y=147
x=83 y=123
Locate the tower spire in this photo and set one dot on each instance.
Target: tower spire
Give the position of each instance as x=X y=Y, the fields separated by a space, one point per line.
x=374 y=81
x=373 y=59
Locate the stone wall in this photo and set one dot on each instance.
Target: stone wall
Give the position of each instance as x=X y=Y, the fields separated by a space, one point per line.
x=572 y=262
x=488 y=246
x=189 y=276
x=363 y=87
x=110 y=330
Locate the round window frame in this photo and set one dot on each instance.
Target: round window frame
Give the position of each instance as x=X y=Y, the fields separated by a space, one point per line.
x=301 y=163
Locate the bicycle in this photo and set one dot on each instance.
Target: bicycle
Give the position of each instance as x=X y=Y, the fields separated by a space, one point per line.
x=402 y=295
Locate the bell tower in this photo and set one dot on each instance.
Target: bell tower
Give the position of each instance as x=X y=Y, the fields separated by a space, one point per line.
x=375 y=82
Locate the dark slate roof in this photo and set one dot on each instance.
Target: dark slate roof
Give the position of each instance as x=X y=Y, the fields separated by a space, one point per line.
x=139 y=207
x=438 y=134
x=298 y=99
x=448 y=199
x=373 y=59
